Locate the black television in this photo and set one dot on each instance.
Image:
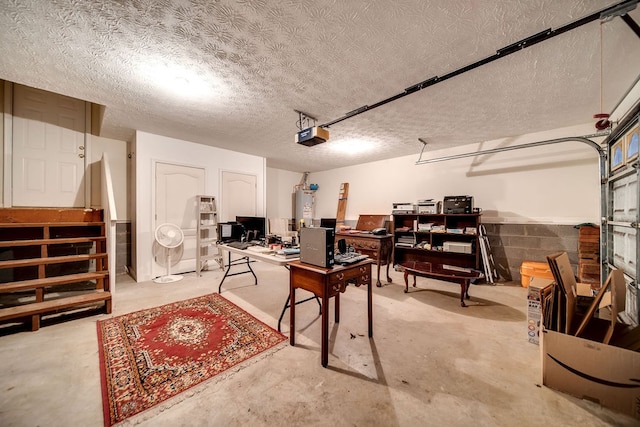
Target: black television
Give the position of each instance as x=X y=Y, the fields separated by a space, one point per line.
x=255 y=227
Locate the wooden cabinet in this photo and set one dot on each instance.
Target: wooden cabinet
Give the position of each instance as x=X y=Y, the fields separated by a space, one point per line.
x=207 y=233
x=438 y=238
x=378 y=248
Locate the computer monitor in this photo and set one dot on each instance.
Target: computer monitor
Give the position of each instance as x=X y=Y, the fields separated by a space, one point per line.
x=230 y=232
x=255 y=227
x=328 y=222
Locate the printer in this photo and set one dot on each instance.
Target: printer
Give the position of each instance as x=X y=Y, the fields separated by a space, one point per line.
x=403 y=208
x=429 y=206
x=457 y=205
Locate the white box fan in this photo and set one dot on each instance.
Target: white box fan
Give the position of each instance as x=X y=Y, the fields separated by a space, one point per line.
x=169 y=236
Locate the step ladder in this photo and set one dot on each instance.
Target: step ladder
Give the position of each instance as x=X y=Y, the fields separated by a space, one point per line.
x=207 y=234
x=490 y=270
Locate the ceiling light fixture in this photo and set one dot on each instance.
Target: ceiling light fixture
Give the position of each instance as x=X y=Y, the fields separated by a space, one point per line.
x=178 y=80
x=351 y=146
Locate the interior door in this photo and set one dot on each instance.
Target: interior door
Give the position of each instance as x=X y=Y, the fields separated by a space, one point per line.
x=239 y=195
x=176 y=188
x=48 y=149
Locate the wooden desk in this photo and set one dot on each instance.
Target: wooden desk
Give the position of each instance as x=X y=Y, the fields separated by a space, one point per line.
x=379 y=248
x=326 y=283
x=462 y=276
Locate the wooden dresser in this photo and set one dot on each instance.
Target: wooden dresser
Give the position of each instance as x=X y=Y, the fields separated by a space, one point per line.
x=377 y=247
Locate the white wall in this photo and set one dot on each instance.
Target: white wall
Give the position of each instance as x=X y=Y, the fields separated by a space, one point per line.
x=551 y=184
x=280 y=184
x=117 y=153
x=149 y=149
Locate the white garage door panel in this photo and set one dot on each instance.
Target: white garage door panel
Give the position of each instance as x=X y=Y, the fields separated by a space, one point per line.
x=625 y=199
x=623 y=242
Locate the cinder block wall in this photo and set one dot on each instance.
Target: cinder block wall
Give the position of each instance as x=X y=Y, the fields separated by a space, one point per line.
x=511 y=244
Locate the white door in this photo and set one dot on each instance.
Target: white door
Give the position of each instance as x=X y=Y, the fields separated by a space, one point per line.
x=239 y=195
x=176 y=189
x=48 y=149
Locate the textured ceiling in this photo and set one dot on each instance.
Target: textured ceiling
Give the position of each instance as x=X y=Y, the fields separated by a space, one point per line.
x=259 y=60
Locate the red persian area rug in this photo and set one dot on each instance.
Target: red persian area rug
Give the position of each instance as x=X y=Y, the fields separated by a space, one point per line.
x=150 y=356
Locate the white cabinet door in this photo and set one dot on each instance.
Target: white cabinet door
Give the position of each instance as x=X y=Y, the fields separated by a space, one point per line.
x=239 y=195
x=176 y=189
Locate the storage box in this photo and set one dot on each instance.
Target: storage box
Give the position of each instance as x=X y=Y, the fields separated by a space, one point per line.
x=539 y=288
x=592 y=370
x=459 y=247
x=586 y=366
x=577 y=297
x=530 y=269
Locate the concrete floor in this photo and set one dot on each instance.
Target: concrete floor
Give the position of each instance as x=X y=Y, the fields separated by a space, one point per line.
x=431 y=362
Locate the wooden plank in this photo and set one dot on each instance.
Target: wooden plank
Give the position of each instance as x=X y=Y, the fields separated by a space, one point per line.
x=50 y=214
x=53 y=305
x=51 y=281
x=49 y=224
x=50 y=260
x=342 y=202
x=36 y=242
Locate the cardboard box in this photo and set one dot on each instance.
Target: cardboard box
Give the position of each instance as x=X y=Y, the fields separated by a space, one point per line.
x=576 y=296
x=592 y=370
x=538 y=288
x=586 y=366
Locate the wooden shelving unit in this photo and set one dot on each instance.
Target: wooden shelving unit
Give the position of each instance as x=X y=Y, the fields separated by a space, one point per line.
x=43 y=252
x=413 y=241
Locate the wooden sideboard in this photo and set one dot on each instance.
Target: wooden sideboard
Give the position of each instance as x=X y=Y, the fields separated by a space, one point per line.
x=378 y=248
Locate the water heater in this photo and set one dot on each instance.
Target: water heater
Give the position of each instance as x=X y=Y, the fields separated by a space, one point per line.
x=304 y=206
